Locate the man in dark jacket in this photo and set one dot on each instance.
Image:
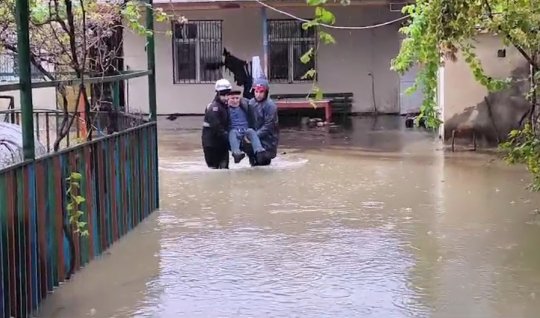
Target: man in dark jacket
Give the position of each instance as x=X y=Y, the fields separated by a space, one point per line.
x=266 y=123
x=215 y=140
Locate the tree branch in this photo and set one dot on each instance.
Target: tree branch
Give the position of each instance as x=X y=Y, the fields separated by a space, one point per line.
x=71 y=34
x=62 y=23
x=509 y=37
x=33 y=60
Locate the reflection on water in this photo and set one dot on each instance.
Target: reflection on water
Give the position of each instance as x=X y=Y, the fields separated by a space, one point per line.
x=396 y=230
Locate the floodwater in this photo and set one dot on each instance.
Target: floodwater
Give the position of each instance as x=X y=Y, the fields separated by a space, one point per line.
x=369 y=221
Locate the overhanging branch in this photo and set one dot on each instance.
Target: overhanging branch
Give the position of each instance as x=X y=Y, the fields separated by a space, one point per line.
x=510 y=38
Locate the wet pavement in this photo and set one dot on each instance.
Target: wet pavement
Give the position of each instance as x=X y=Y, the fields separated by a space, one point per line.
x=370 y=220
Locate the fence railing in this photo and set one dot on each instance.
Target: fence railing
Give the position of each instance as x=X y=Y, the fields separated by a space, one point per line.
x=119 y=183
x=47 y=124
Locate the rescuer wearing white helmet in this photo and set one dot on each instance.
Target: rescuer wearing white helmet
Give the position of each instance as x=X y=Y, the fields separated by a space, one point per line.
x=223 y=85
x=215 y=140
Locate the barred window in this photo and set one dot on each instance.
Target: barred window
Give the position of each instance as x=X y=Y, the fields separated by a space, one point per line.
x=9 y=68
x=197 y=45
x=287 y=42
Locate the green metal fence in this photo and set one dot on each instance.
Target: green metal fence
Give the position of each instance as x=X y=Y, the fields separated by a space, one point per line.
x=119 y=181
x=47 y=124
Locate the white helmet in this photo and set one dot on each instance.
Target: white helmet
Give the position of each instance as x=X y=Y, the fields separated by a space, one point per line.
x=222 y=85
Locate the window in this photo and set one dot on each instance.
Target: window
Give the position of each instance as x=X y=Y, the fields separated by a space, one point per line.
x=197 y=50
x=9 y=68
x=287 y=42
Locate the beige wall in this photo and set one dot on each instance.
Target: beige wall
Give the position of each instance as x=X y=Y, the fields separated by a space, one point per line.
x=343 y=67
x=464 y=96
x=461 y=89
x=43 y=98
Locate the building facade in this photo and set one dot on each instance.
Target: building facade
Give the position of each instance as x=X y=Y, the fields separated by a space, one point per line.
x=359 y=62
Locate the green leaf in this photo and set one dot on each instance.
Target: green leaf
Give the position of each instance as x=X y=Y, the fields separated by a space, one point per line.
x=79 y=199
x=324 y=16
x=307 y=56
x=318 y=93
x=75 y=176
x=309 y=24
x=326 y=37
x=315 y=2
x=410 y=90
x=160 y=15
x=309 y=74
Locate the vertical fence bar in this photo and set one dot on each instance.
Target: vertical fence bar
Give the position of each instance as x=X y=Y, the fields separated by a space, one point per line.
x=23 y=45
x=116 y=95
x=20 y=234
x=48 y=131
x=4 y=267
x=41 y=231
x=265 y=40
x=32 y=244
x=37 y=125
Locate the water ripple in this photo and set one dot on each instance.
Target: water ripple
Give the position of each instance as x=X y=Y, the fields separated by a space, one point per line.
x=198 y=165
x=248 y=265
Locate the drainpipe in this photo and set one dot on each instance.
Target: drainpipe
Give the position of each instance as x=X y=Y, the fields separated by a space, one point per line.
x=25 y=81
x=265 y=40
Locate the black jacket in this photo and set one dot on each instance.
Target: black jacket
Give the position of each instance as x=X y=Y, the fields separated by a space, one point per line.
x=216 y=125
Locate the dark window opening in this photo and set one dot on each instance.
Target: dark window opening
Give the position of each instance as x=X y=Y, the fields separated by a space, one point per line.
x=195 y=45
x=287 y=42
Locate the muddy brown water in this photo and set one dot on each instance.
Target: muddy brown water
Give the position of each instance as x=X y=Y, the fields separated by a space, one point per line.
x=369 y=221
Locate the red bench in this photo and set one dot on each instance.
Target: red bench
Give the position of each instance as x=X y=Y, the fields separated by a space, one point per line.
x=306 y=104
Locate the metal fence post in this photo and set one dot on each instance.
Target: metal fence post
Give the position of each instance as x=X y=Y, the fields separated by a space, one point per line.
x=151 y=57
x=25 y=79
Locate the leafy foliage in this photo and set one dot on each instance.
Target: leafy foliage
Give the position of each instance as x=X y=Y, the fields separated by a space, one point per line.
x=523 y=147
x=322 y=17
x=437 y=30
x=75 y=200
x=62 y=32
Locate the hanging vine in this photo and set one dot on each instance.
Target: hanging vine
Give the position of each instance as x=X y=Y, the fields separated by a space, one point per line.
x=322 y=16
x=443 y=30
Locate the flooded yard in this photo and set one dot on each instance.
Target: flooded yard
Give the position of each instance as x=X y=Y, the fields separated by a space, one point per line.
x=368 y=221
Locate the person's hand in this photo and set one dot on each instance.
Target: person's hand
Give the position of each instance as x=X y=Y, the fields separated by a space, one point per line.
x=246 y=139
